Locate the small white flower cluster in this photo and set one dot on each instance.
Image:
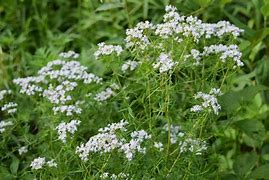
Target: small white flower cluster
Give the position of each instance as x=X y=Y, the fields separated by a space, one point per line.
x=134 y=145
x=4 y=124
x=174 y=132
x=104 y=95
x=121 y=175
x=131 y=65
x=195 y=146
x=3 y=93
x=136 y=35
x=158 y=145
x=40 y=162
x=164 y=63
x=69 y=54
x=67 y=75
x=175 y=25
x=231 y=51
x=64 y=128
x=104 y=50
x=10 y=107
x=209 y=100
x=107 y=93
x=23 y=150
x=107 y=141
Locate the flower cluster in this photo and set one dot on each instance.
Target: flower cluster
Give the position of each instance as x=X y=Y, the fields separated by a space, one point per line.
x=4 y=124
x=3 y=93
x=164 y=63
x=174 y=132
x=107 y=141
x=64 y=128
x=69 y=54
x=67 y=75
x=231 y=51
x=104 y=50
x=131 y=65
x=107 y=93
x=40 y=162
x=23 y=150
x=136 y=36
x=121 y=175
x=192 y=145
x=175 y=25
x=209 y=101
x=10 y=107
x=158 y=145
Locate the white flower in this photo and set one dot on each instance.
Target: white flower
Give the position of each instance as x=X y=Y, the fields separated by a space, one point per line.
x=104 y=49
x=131 y=65
x=4 y=124
x=64 y=128
x=104 y=95
x=10 y=107
x=195 y=146
x=209 y=101
x=38 y=163
x=158 y=145
x=69 y=54
x=23 y=150
x=3 y=93
x=164 y=63
x=107 y=140
x=52 y=163
x=174 y=132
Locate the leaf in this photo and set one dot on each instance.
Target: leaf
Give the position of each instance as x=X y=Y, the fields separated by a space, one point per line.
x=109 y=6
x=250 y=126
x=261 y=172
x=244 y=163
x=14 y=165
x=203 y=3
x=232 y=100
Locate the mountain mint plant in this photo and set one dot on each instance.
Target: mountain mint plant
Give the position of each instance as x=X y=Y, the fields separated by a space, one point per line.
x=164 y=81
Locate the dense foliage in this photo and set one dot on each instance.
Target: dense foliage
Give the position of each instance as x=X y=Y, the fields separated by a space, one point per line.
x=125 y=89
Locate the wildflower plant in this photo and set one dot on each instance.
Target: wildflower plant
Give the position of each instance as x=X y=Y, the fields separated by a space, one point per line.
x=164 y=80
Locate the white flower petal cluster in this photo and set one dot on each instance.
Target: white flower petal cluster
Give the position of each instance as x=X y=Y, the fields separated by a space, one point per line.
x=164 y=63
x=107 y=141
x=56 y=81
x=130 y=148
x=4 y=124
x=64 y=128
x=158 y=145
x=69 y=54
x=231 y=51
x=175 y=132
x=104 y=50
x=23 y=150
x=40 y=162
x=3 y=93
x=131 y=65
x=137 y=37
x=104 y=95
x=175 y=25
x=113 y=176
x=10 y=107
x=209 y=101
x=192 y=145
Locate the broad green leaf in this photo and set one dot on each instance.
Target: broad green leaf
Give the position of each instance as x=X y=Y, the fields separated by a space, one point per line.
x=244 y=163
x=14 y=165
x=261 y=172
